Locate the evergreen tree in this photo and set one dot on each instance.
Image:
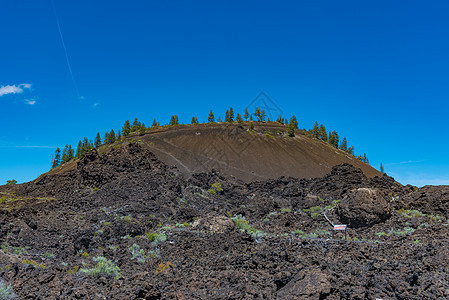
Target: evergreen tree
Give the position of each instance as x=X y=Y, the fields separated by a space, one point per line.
x=112 y=136
x=239 y=118
x=295 y=122
x=97 y=140
x=219 y=119
x=246 y=115
x=259 y=114
x=70 y=153
x=322 y=133
x=79 y=150
x=333 y=138
x=344 y=144
x=106 y=137
x=142 y=130
x=382 y=168
x=291 y=128
x=227 y=116
x=155 y=124
x=211 y=118
x=350 y=150
x=126 y=128
x=136 y=125
x=194 y=120
x=316 y=130
x=174 y=120
x=231 y=115
x=119 y=135
x=251 y=117
x=65 y=155
x=56 y=159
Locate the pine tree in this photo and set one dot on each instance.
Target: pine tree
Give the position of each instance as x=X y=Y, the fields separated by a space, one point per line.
x=112 y=136
x=322 y=133
x=219 y=119
x=174 y=120
x=344 y=144
x=239 y=118
x=136 y=125
x=351 y=150
x=333 y=139
x=227 y=116
x=106 y=137
x=246 y=115
x=97 y=140
x=142 y=130
x=70 y=153
x=155 y=124
x=65 y=155
x=291 y=128
x=231 y=115
x=382 y=168
x=211 y=118
x=119 y=135
x=56 y=159
x=295 y=122
x=79 y=150
x=126 y=128
x=259 y=114
x=194 y=120
x=316 y=130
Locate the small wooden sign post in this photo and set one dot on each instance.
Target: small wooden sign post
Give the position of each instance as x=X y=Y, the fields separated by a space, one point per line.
x=340 y=228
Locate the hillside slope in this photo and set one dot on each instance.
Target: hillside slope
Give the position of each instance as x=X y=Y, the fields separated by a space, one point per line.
x=263 y=153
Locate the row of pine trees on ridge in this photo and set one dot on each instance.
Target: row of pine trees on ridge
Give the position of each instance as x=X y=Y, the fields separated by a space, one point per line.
x=318 y=131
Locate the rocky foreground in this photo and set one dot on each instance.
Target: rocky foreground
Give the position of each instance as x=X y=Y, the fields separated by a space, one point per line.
x=123 y=225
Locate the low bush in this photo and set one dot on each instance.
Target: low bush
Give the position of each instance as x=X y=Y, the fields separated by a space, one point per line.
x=104 y=267
x=6 y=291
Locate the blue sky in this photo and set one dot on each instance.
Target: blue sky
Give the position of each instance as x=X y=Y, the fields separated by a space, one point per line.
x=376 y=72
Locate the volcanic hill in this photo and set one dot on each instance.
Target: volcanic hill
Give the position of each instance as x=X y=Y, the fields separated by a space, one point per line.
x=265 y=152
x=154 y=217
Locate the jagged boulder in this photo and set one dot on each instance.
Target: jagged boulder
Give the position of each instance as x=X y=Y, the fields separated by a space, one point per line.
x=363 y=207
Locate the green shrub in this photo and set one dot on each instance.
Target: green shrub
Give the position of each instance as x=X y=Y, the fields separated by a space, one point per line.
x=137 y=253
x=104 y=267
x=6 y=291
x=285 y=210
x=298 y=232
x=11 y=182
x=215 y=189
x=243 y=225
x=156 y=237
x=314 y=215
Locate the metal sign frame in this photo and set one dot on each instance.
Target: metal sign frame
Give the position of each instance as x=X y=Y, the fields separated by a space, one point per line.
x=339 y=227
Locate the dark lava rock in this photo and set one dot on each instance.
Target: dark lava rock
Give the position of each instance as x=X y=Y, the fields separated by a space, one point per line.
x=307 y=284
x=363 y=207
x=430 y=199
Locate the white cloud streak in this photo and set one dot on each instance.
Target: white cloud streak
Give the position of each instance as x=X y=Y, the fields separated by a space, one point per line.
x=14 y=89
x=31 y=101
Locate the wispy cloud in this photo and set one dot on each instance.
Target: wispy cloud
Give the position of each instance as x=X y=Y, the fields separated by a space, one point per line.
x=404 y=162
x=31 y=101
x=14 y=89
x=96 y=104
x=31 y=146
